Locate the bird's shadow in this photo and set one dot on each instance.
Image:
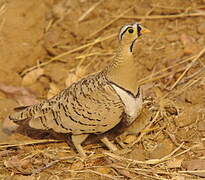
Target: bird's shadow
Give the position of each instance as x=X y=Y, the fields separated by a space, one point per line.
x=26 y=130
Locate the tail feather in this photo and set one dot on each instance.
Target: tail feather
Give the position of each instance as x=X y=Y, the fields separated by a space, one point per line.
x=19 y=122
x=20 y=108
x=33 y=115
x=20 y=114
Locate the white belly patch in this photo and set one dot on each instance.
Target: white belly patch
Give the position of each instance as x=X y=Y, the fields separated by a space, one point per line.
x=133 y=105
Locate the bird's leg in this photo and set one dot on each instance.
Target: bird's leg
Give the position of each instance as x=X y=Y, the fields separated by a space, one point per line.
x=77 y=139
x=110 y=145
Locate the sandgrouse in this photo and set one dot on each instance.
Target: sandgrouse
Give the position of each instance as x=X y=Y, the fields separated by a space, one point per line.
x=94 y=104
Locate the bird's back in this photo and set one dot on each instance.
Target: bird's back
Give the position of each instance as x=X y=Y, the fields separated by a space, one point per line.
x=90 y=105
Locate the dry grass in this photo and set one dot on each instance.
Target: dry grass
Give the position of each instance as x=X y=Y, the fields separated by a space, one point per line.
x=53 y=159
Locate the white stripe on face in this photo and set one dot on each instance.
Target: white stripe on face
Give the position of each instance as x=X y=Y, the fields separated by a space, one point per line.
x=125 y=27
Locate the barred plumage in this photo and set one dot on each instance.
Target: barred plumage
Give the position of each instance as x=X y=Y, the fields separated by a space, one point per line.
x=94 y=104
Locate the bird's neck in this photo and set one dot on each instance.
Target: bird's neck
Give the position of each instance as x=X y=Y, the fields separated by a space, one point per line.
x=123 y=70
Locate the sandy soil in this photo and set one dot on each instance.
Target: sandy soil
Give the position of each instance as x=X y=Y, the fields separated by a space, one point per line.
x=45 y=45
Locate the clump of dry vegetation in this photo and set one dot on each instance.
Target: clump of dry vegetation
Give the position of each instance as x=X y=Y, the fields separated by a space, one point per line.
x=47 y=45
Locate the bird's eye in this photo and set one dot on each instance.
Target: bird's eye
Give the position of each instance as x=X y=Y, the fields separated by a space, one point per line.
x=130 y=30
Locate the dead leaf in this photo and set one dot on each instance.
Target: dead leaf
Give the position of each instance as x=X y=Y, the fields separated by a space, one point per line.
x=174 y=163
x=19 y=165
x=195 y=165
x=160 y=149
x=201 y=125
x=186 y=39
x=190 y=45
x=201 y=28
x=72 y=77
x=123 y=172
x=186 y=117
x=32 y=76
x=59 y=10
x=9 y=126
x=75 y=75
x=12 y=89
x=20 y=94
x=54 y=90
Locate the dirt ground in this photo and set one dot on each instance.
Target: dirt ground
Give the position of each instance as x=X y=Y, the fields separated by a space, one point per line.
x=45 y=45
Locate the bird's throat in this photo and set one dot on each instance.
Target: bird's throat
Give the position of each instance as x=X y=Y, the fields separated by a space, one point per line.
x=123 y=70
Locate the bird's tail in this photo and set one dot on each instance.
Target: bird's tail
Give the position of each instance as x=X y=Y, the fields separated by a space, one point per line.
x=32 y=115
x=21 y=114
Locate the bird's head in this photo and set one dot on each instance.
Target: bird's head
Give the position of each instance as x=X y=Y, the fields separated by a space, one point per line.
x=129 y=33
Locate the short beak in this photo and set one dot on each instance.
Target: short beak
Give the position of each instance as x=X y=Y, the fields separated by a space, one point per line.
x=145 y=30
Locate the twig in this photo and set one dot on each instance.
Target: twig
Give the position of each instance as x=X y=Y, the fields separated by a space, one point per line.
x=49 y=25
x=178 y=92
x=152 y=177
x=125 y=172
x=89 y=10
x=165 y=16
x=92 y=171
x=165 y=69
x=109 y=23
x=150 y=170
x=192 y=75
x=101 y=174
x=167 y=157
x=196 y=171
x=67 y=53
x=93 y=54
x=183 y=88
x=147 y=14
x=37 y=171
x=29 y=143
x=172 y=137
x=3 y=9
x=149 y=162
x=166 y=7
x=183 y=152
x=2 y=23
x=189 y=66
x=160 y=76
